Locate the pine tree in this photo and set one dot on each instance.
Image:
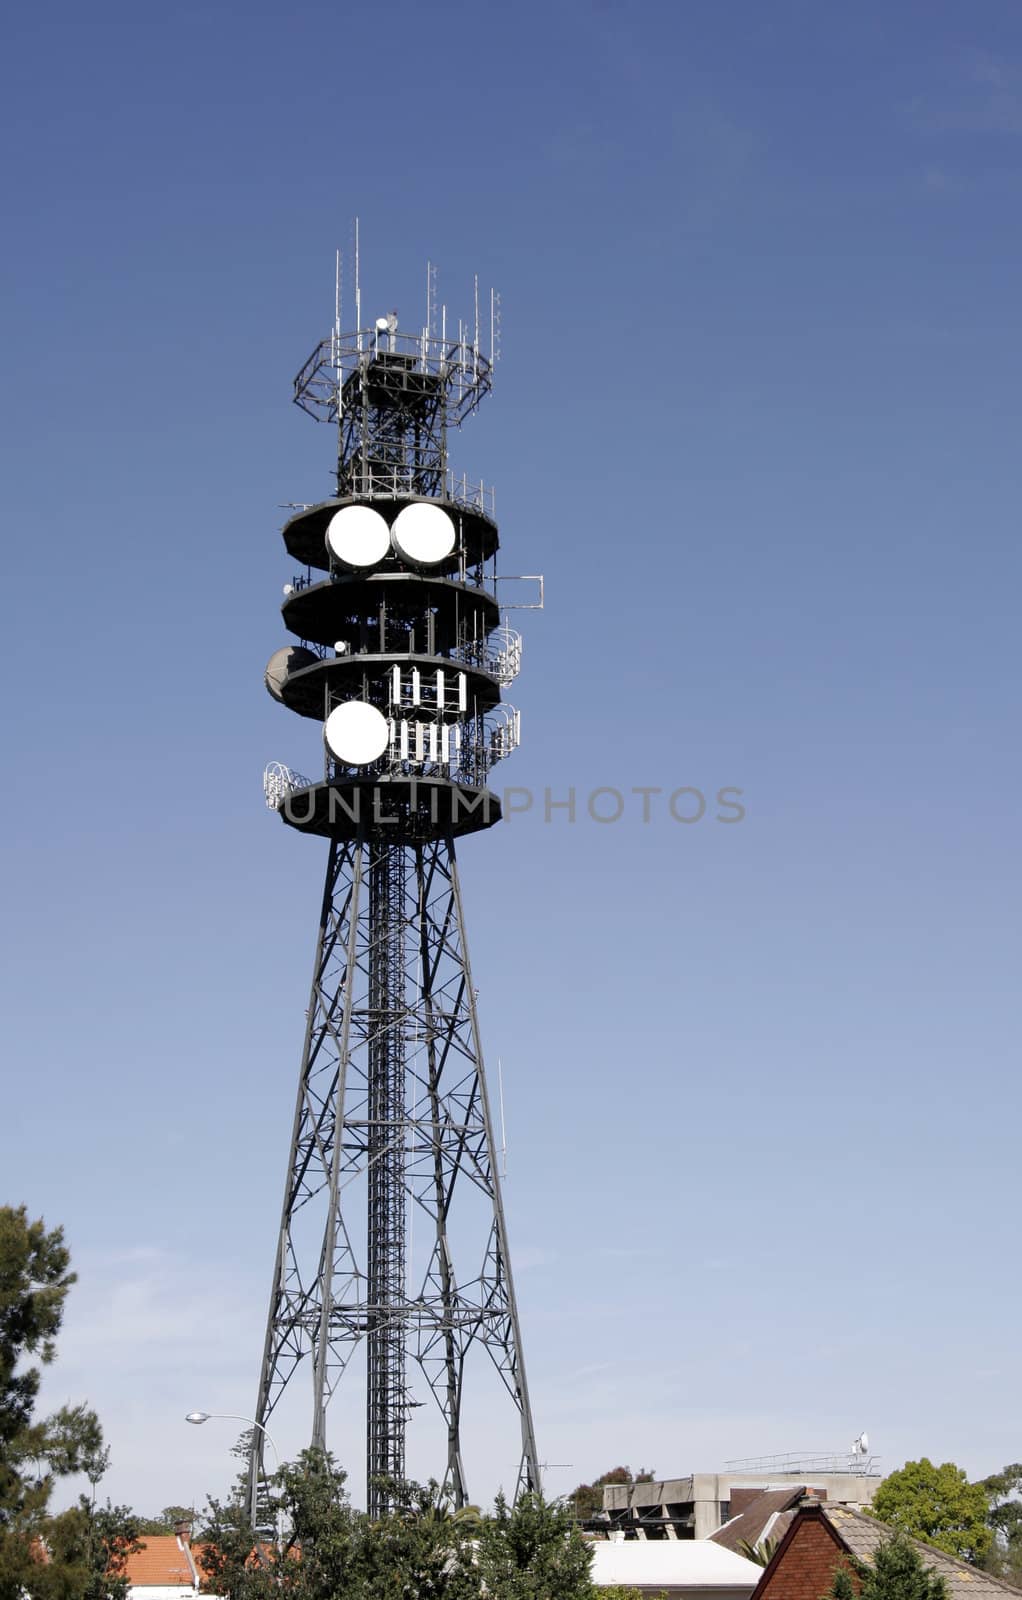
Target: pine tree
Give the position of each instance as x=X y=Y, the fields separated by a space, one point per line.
x=896 y=1572
x=842 y=1587
x=81 y=1553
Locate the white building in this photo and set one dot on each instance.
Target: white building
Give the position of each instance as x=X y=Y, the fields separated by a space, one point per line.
x=681 y=1569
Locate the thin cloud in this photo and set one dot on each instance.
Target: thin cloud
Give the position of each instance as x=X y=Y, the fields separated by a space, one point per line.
x=981 y=93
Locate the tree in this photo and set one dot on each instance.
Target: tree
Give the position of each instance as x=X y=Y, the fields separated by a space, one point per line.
x=92 y=1543
x=842 y=1587
x=34 y=1280
x=587 y=1499
x=896 y=1572
x=1004 y=1519
x=534 y=1551
x=81 y=1553
x=166 y=1521
x=422 y=1547
x=938 y=1505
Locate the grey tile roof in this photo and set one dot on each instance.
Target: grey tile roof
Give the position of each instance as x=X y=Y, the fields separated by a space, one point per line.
x=862 y=1534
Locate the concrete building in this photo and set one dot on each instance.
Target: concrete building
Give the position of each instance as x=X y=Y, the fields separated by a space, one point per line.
x=680 y=1571
x=696 y=1506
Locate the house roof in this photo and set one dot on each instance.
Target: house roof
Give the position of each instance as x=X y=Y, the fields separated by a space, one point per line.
x=160 y=1563
x=861 y=1535
x=766 y=1517
x=672 y=1564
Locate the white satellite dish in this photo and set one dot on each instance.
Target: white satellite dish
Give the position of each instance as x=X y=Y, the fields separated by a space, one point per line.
x=423 y=534
x=357 y=537
x=356 y=733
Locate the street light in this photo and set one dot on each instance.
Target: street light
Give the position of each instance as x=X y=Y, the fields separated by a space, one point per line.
x=232 y=1416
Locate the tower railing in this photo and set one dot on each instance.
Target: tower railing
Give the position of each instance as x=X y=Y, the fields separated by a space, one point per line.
x=399 y=482
x=457 y=365
x=797 y=1462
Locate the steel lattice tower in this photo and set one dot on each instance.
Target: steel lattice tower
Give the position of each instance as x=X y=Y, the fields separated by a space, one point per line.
x=402 y=657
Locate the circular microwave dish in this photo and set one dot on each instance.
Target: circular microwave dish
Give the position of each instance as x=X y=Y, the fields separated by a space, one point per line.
x=358 y=537
x=423 y=534
x=356 y=733
x=289 y=659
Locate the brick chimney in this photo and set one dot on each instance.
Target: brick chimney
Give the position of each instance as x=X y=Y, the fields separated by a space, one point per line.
x=183 y=1534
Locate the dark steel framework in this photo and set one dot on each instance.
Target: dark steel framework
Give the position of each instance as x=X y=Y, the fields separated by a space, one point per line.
x=393 y=1141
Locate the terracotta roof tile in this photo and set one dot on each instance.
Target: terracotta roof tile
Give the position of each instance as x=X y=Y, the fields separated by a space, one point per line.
x=161 y=1562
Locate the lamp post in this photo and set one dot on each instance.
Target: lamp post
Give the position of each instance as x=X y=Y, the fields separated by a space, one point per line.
x=233 y=1416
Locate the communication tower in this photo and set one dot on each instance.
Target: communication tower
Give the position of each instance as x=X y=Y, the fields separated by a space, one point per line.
x=392 y=1232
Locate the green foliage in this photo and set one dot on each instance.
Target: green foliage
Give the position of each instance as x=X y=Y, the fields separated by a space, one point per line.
x=80 y=1554
x=625 y=1591
x=534 y=1551
x=34 y=1280
x=1004 y=1519
x=939 y=1505
x=897 y=1572
x=166 y=1520
x=93 y=1544
x=842 y=1587
x=587 y=1498
x=422 y=1548
x=762 y=1552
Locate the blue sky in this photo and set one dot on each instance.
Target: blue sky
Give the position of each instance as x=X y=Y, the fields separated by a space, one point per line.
x=756 y=421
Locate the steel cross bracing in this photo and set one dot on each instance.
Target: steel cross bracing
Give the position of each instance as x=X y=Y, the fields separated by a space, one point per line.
x=392 y=1122
x=392 y=438
x=393 y=400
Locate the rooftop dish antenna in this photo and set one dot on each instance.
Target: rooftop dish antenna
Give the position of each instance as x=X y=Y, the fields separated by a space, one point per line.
x=859 y=1460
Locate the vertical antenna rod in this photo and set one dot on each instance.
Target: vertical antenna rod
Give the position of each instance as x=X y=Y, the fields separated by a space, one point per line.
x=358 y=291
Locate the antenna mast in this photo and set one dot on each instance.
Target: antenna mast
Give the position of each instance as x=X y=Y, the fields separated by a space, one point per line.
x=399 y=662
